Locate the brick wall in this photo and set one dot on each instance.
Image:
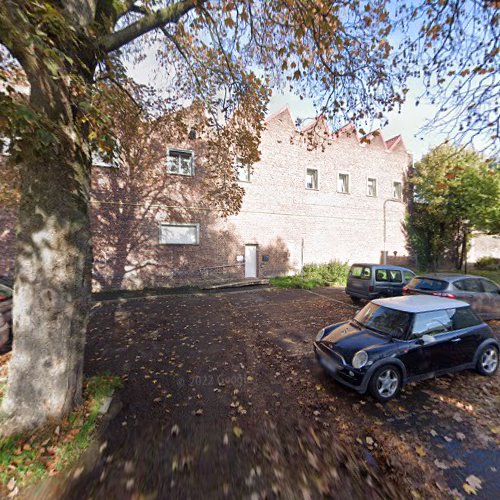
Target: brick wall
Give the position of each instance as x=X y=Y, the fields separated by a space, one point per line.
x=288 y=223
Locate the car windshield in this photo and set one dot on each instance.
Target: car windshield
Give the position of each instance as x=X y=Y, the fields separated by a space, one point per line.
x=384 y=320
x=427 y=284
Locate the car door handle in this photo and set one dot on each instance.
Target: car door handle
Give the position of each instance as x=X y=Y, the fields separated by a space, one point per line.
x=456 y=340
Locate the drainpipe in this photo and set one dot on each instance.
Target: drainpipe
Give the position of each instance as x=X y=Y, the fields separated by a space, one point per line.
x=385 y=225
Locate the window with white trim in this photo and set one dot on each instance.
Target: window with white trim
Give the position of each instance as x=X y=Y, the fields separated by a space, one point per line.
x=5 y=143
x=397 y=190
x=98 y=160
x=312 y=178
x=179 y=234
x=242 y=171
x=180 y=161
x=371 y=186
x=343 y=183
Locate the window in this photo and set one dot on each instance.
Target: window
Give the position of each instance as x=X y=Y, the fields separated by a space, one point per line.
x=360 y=272
x=395 y=276
x=312 y=178
x=431 y=323
x=5 y=146
x=242 y=171
x=180 y=162
x=371 y=186
x=397 y=190
x=381 y=275
x=408 y=276
x=489 y=286
x=468 y=285
x=99 y=160
x=428 y=284
x=343 y=183
x=463 y=317
x=382 y=319
x=179 y=234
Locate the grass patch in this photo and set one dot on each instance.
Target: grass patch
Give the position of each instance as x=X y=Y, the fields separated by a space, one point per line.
x=28 y=458
x=333 y=273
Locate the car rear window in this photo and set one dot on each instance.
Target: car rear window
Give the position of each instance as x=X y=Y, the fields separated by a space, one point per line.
x=361 y=272
x=427 y=284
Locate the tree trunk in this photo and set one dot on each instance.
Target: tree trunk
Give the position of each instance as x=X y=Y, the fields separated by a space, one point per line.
x=53 y=270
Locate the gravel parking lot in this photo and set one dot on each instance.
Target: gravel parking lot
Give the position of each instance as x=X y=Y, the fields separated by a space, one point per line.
x=223 y=397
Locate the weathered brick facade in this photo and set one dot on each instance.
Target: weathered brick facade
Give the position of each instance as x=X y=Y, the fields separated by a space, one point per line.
x=288 y=223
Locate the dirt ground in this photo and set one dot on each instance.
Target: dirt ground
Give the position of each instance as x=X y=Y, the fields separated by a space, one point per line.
x=222 y=397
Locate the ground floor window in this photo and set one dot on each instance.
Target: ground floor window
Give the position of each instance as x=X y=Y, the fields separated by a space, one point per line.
x=179 y=234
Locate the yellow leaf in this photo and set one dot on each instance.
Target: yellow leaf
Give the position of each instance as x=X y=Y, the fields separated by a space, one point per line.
x=420 y=451
x=469 y=489
x=237 y=431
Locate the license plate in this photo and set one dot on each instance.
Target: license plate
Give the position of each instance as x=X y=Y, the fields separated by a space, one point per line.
x=329 y=364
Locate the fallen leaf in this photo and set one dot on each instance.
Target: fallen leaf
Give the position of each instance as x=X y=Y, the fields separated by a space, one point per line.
x=474 y=481
x=237 y=431
x=460 y=436
x=433 y=433
x=440 y=465
x=469 y=489
x=420 y=451
x=175 y=430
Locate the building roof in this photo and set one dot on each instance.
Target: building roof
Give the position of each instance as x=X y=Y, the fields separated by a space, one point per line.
x=347 y=130
x=419 y=303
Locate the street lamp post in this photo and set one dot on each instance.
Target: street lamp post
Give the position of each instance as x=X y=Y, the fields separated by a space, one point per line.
x=385 y=225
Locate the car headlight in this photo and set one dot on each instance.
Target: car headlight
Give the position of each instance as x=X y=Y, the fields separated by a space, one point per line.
x=320 y=334
x=360 y=359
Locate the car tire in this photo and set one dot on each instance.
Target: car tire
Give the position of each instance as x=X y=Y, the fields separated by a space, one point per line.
x=386 y=383
x=487 y=361
x=356 y=300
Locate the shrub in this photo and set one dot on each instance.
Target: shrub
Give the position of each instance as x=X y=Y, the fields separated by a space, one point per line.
x=331 y=273
x=488 y=263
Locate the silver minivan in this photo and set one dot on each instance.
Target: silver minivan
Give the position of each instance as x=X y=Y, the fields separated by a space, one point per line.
x=371 y=281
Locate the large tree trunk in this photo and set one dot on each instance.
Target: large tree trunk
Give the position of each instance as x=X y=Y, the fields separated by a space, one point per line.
x=53 y=270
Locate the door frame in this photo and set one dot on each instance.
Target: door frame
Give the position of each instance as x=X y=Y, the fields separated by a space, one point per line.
x=255 y=246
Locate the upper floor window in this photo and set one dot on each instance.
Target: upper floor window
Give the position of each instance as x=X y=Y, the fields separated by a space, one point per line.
x=371 y=186
x=343 y=183
x=397 y=190
x=312 y=178
x=5 y=146
x=242 y=171
x=100 y=160
x=180 y=161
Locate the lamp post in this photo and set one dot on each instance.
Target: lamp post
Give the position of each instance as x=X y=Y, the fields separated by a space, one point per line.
x=385 y=225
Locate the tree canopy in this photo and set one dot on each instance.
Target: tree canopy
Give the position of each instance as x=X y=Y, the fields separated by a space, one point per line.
x=456 y=191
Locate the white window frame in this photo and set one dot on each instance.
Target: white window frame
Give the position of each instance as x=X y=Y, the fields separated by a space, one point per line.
x=181 y=151
x=239 y=164
x=317 y=179
x=368 y=179
x=6 y=143
x=348 y=182
x=195 y=225
x=394 y=191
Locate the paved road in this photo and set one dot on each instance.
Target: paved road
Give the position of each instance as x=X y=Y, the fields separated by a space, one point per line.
x=223 y=398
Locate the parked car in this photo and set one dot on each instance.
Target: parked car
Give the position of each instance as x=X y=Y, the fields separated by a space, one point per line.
x=481 y=293
x=371 y=281
x=397 y=340
x=5 y=312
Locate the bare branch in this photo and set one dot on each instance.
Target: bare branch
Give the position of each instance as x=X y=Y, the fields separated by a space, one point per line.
x=147 y=23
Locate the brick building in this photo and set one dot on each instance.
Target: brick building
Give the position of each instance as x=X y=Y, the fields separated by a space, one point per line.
x=314 y=196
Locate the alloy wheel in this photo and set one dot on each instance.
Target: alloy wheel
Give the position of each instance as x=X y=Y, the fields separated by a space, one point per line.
x=489 y=360
x=387 y=383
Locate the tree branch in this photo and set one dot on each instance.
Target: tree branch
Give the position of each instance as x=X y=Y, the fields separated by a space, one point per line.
x=147 y=23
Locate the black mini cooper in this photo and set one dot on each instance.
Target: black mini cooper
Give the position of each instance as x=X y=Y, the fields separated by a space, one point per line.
x=401 y=339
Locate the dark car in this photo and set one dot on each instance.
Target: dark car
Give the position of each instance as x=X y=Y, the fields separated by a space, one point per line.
x=5 y=313
x=397 y=340
x=481 y=293
x=371 y=281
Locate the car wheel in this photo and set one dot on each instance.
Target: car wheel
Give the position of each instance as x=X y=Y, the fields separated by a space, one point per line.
x=487 y=363
x=356 y=300
x=385 y=383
